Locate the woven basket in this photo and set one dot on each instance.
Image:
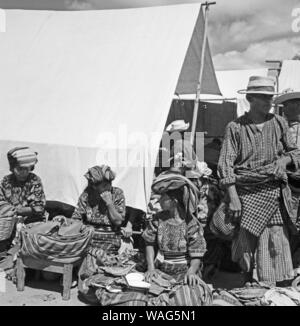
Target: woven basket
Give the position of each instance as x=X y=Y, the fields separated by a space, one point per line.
x=6 y=227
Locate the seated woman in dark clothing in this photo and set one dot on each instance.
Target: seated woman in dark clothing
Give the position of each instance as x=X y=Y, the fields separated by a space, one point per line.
x=102 y=206
x=21 y=192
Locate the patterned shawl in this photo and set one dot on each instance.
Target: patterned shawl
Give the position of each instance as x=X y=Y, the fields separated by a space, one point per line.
x=170 y=181
x=100 y=173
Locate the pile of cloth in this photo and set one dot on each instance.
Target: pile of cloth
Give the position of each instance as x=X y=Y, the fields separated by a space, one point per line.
x=163 y=291
x=224 y=298
x=258 y=294
x=250 y=295
x=55 y=241
x=112 y=289
x=281 y=297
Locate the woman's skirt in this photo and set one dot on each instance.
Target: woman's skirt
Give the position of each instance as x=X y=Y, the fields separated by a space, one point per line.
x=104 y=245
x=183 y=294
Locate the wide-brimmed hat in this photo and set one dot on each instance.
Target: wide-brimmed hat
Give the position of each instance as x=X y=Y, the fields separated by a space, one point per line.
x=288 y=94
x=177 y=125
x=260 y=85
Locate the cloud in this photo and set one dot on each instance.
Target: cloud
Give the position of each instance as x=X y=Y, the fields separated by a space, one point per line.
x=235 y=27
x=256 y=54
x=262 y=20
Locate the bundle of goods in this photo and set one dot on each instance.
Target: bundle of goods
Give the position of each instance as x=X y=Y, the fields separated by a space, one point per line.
x=281 y=297
x=224 y=298
x=8 y=218
x=250 y=295
x=54 y=241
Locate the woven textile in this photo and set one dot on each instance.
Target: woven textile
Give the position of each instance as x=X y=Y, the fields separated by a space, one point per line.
x=260 y=207
x=273 y=256
x=179 y=295
x=129 y=298
x=55 y=247
x=100 y=173
x=170 y=181
x=221 y=225
x=21 y=156
x=246 y=148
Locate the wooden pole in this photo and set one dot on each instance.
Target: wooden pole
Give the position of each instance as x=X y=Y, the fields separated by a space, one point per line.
x=278 y=70
x=198 y=92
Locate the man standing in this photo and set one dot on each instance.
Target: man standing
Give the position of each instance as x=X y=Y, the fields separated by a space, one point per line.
x=255 y=154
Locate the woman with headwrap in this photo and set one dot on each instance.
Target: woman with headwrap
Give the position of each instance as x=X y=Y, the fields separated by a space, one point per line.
x=102 y=206
x=21 y=192
x=178 y=237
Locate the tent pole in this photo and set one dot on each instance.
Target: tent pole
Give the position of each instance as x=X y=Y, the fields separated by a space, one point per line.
x=197 y=100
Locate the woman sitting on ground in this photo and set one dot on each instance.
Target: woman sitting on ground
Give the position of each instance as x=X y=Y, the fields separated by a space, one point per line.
x=21 y=192
x=102 y=206
x=178 y=235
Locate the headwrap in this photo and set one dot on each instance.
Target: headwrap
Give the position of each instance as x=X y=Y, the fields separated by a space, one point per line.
x=100 y=173
x=21 y=156
x=166 y=182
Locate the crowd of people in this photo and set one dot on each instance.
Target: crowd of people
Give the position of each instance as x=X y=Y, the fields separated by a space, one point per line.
x=246 y=205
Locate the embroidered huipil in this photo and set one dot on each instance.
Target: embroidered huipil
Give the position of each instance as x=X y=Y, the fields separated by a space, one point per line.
x=26 y=194
x=175 y=240
x=94 y=211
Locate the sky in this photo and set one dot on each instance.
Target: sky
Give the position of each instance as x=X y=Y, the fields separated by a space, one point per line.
x=242 y=34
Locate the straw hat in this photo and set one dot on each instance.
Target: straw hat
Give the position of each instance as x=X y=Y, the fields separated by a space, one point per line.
x=177 y=125
x=260 y=85
x=288 y=94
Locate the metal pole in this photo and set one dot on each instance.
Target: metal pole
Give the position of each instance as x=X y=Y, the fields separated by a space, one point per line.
x=197 y=100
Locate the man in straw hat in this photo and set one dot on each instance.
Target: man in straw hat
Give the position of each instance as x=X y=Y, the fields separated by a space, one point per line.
x=290 y=101
x=255 y=154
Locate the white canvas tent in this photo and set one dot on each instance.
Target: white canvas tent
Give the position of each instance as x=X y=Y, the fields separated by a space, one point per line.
x=79 y=88
x=289 y=76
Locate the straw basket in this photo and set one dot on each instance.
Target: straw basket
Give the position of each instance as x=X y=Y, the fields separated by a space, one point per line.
x=6 y=227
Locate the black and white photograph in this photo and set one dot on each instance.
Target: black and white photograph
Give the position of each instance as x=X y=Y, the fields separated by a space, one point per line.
x=149 y=155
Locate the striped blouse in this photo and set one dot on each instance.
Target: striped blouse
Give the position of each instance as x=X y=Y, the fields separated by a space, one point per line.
x=294 y=128
x=246 y=146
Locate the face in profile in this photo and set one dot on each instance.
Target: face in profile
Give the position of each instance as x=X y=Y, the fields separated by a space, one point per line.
x=21 y=173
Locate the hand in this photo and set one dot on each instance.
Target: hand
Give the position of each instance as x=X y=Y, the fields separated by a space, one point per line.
x=281 y=164
x=61 y=219
x=127 y=231
x=191 y=279
x=235 y=208
x=150 y=274
x=107 y=197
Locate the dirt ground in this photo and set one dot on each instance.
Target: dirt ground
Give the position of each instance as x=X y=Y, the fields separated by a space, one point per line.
x=38 y=293
x=48 y=293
